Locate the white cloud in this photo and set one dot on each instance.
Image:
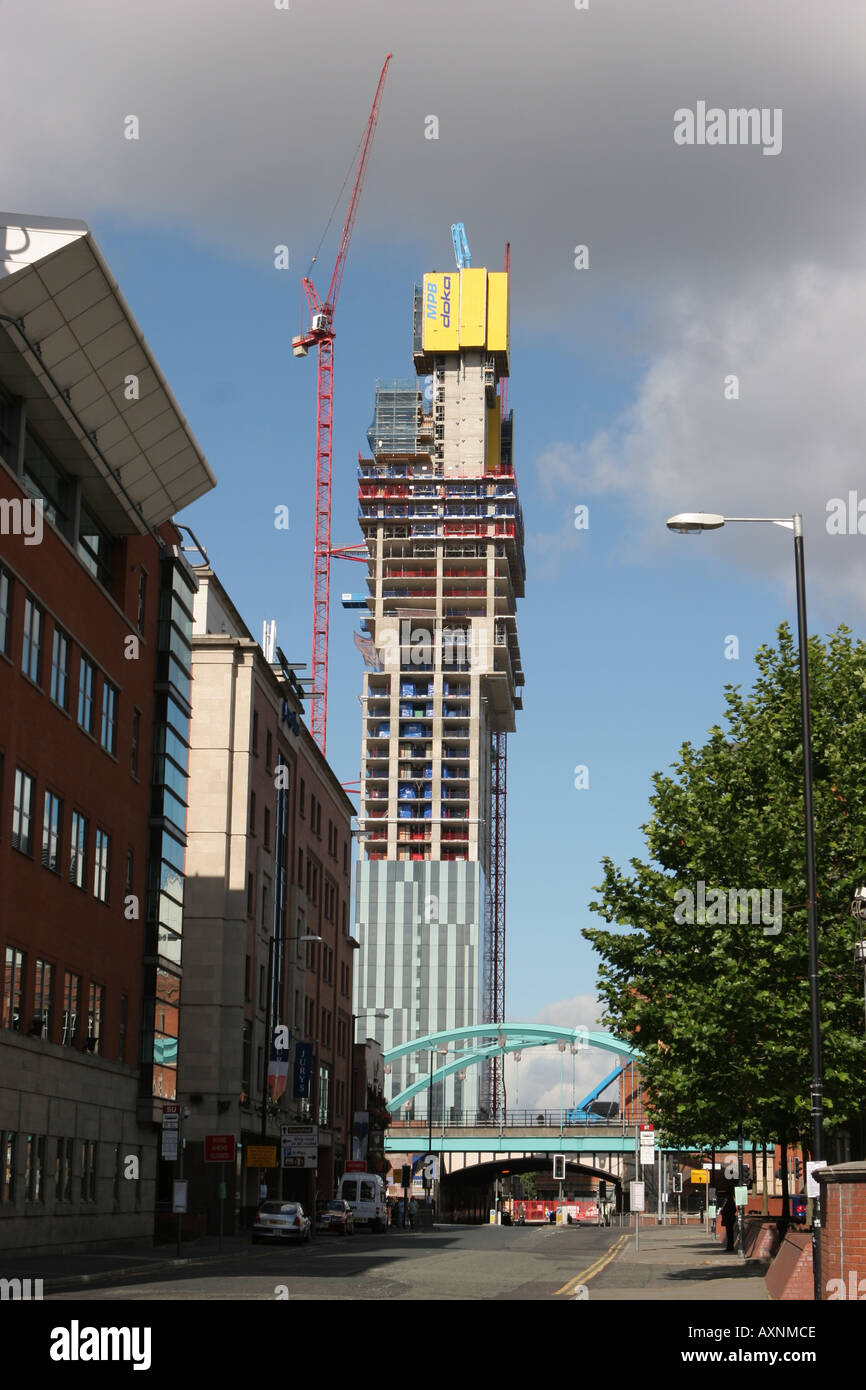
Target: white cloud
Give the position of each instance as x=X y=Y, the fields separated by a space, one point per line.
x=793 y=440
x=534 y=1083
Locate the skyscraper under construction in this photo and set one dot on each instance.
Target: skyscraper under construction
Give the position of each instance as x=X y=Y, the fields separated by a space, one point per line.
x=444 y=534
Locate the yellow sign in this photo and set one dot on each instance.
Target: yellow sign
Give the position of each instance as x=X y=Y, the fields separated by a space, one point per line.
x=440 y=311
x=700 y=1175
x=262 y=1156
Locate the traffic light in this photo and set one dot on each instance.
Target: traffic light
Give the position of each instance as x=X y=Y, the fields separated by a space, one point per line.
x=602 y=1191
x=678 y=1182
x=559 y=1167
x=797 y=1171
x=406 y=1175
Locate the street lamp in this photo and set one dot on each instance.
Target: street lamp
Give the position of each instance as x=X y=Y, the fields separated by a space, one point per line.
x=688 y=523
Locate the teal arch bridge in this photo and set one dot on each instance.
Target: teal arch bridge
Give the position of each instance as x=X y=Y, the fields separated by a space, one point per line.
x=553 y=1132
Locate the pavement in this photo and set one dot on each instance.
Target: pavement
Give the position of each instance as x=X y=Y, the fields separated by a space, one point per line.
x=61 y=1273
x=672 y=1263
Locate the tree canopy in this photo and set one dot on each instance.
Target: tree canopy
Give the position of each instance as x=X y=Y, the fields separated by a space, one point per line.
x=718 y=1002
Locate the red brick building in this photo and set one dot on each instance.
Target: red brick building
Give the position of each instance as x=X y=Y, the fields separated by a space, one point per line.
x=95 y=617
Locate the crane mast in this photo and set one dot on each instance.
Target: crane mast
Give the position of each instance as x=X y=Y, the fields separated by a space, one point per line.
x=321 y=336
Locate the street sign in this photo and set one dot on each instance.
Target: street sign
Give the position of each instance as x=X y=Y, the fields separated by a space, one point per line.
x=647 y=1146
x=261 y=1155
x=812 y=1188
x=355 y=1165
x=700 y=1175
x=299 y=1142
x=741 y=1196
x=711 y=1195
x=636 y=1192
x=219 y=1148
x=179 y=1195
x=170 y=1132
x=170 y=1116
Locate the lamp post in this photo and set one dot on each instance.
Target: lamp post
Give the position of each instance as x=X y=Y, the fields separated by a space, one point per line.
x=695 y=522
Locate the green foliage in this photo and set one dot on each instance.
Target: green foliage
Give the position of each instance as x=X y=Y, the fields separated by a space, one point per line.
x=720 y=1008
x=529 y=1186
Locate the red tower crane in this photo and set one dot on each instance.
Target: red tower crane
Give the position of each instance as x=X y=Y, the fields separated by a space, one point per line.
x=321 y=335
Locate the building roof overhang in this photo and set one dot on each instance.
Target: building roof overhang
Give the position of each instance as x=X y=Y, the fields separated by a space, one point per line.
x=137 y=459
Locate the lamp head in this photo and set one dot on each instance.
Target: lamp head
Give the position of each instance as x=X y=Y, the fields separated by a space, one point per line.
x=689 y=523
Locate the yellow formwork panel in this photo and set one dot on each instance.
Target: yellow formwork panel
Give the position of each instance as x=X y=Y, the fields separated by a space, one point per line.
x=497 y=311
x=441 y=311
x=494 y=438
x=473 y=307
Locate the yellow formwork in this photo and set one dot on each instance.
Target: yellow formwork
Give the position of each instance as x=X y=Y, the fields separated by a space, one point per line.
x=497 y=311
x=473 y=307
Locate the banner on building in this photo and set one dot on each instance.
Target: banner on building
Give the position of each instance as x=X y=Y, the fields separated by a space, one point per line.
x=278 y=1065
x=303 y=1068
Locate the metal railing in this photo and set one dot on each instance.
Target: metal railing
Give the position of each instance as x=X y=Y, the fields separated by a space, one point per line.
x=521 y=1119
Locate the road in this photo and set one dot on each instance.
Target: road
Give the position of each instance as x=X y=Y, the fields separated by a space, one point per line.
x=448 y=1263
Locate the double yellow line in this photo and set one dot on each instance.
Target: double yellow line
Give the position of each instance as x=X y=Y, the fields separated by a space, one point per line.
x=597 y=1267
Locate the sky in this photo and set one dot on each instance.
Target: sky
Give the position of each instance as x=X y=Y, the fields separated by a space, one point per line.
x=554 y=129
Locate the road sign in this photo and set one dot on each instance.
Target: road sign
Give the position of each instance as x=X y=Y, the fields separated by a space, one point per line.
x=355 y=1165
x=179 y=1195
x=219 y=1148
x=636 y=1191
x=299 y=1142
x=700 y=1175
x=170 y=1116
x=168 y=1151
x=261 y=1155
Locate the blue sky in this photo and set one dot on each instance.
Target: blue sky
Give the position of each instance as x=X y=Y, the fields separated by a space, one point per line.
x=555 y=130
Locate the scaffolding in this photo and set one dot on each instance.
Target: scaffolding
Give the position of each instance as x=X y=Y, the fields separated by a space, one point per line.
x=397 y=418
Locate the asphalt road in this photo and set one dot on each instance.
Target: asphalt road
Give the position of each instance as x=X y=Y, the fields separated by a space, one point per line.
x=448 y=1263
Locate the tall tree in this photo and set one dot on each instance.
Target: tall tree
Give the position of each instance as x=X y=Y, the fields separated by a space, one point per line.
x=717 y=996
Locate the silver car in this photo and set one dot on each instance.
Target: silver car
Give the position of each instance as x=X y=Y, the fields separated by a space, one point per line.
x=281 y=1221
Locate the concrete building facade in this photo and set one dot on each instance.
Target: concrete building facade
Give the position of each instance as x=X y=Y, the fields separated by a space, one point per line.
x=266 y=920
x=442 y=522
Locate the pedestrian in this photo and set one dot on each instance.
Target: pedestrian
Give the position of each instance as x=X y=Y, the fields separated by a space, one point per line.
x=413 y=1212
x=729 y=1218
x=263 y=1191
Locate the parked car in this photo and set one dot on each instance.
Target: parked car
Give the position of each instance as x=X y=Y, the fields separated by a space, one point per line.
x=281 y=1220
x=337 y=1216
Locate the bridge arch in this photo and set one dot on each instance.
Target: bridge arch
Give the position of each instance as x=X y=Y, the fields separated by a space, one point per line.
x=510 y=1037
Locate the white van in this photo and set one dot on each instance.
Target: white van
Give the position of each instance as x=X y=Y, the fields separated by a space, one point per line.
x=365 y=1193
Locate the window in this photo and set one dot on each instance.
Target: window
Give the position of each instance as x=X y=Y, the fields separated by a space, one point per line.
x=60 y=668
x=43 y=999
x=142 y=595
x=247 y=971
x=250 y=894
x=261 y=986
x=100 y=866
x=42 y=478
x=94 y=548
x=267 y=831
x=51 y=821
x=86 y=686
x=269 y=749
x=95 y=1008
x=124 y=1013
x=136 y=734
x=252 y=813
x=78 y=850
x=9 y=1142
x=5 y=611
x=31 y=640
x=22 y=812
x=88 y=1172
x=255 y=731
x=71 y=1002
x=130 y=869
x=302 y=799
x=13 y=985
x=63 y=1171
x=108 y=735
x=324 y=1095
x=34 y=1170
